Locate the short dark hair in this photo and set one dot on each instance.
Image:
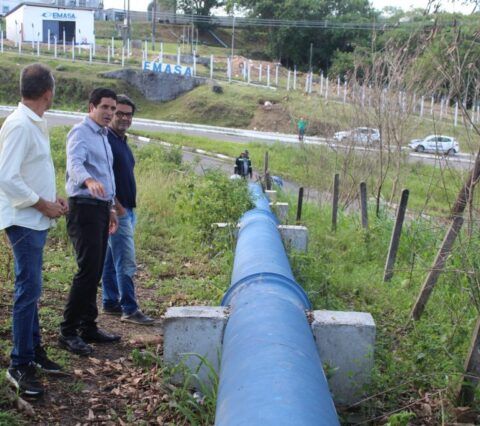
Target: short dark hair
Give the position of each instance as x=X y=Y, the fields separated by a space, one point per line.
x=125 y=100
x=35 y=80
x=97 y=94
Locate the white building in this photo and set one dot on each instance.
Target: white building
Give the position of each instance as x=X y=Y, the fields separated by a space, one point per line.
x=8 y=5
x=32 y=21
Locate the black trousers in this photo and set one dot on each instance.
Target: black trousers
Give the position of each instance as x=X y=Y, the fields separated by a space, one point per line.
x=87 y=227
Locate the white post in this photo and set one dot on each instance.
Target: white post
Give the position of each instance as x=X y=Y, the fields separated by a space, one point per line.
x=229 y=69
x=113 y=48
x=245 y=70
x=90 y=53
x=268 y=75
x=73 y=49
x=178 y=56
x=414 y=107
x=195 y=63
x=307 y=82
x=288 y=80
x=431 y=105
x=338 y=86
x=456 y=114
x=345 y=91
x=249 y=73
x=421 y=106
x=211 y=67
x=108 y=54
x=161 y=52
x=295 y=78
x=326 y=88
x=38 y=47
x=321 y=84
x=478 y=114
x=128 y=48
x=55 y=46
x=260 y=69
x=1 y=40
x=473 y=114
x=64 y=42
x=123 y=57
x=48 y=40
x=276 y=74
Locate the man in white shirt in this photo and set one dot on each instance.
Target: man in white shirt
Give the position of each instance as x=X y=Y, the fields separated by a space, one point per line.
x=28 y=207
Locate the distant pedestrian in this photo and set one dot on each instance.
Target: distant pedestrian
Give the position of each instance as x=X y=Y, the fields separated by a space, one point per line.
x=120 y=266
x=28 y=205
x=302 y=127
x=243 y=166
x=91 y=190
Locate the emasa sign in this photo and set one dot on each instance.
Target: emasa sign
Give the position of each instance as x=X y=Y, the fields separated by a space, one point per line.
x=59 y=15
x=162 y=68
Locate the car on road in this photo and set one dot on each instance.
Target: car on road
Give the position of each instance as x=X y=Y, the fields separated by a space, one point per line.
x=438 y=144
x=363 y=135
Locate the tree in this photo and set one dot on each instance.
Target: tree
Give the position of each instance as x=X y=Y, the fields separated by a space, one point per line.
x=200 y=7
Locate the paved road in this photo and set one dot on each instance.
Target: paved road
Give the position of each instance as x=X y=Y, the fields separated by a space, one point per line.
x=59 y=118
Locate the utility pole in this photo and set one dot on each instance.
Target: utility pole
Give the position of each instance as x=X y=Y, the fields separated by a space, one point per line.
x=129 y=32
x=311 y=54
x=154 y=20
x=233 y=34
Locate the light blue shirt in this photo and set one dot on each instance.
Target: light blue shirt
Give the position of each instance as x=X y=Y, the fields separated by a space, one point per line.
x=89 y=156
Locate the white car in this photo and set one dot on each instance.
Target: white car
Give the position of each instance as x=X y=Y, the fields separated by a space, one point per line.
x=365 y=135
x=436 y=144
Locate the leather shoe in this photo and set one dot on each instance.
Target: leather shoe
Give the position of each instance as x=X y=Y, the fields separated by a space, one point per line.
x=99 y=336
x=75 y=344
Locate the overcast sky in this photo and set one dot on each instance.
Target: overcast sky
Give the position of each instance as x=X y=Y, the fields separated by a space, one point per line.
x=451 y=6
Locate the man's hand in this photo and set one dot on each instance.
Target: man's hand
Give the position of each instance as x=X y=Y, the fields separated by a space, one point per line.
x=113 y=225
x=121 y=211
x=95 y=188
x=49 y=209
x=64 y=205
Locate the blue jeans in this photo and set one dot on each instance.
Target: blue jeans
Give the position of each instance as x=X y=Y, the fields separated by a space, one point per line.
x=120 y=266
x=27 y=245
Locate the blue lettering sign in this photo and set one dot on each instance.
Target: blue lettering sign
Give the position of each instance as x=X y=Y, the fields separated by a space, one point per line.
x=159 y=67
x=59 y=15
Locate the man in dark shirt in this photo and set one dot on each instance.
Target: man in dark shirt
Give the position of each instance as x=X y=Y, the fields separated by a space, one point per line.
x=117 y=279
x=243 y=166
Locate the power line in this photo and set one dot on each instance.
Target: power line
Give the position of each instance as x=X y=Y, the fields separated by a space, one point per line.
x=228 y=21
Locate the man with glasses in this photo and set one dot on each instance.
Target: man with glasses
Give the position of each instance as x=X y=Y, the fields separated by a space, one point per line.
x=119 y=269
x=28 y=207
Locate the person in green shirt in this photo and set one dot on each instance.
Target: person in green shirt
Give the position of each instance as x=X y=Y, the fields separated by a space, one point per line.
x=302 y=125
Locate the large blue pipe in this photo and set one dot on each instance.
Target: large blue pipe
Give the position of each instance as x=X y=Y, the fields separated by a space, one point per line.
x=271 y=373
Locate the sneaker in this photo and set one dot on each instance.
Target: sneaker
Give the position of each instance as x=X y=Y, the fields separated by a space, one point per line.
x=24 y=378
x=138 y=317
x=115 y=310
x=41 y=361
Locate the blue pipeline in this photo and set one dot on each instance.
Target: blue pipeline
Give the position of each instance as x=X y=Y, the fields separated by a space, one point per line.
x=271 y=373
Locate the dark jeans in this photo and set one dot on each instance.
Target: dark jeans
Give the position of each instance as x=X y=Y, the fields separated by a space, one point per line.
x=87 y=226
x=27 y=245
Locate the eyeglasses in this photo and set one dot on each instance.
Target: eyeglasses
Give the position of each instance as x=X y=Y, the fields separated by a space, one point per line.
x=121 y=114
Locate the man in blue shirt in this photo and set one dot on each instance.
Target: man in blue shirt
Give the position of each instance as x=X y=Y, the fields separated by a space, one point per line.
x=91 y=190
x=119 y=269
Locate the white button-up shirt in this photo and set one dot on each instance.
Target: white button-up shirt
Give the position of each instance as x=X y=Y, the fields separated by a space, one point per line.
x=26 y=170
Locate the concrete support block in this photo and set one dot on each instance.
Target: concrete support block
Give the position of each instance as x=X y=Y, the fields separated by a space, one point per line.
x=345 y=342
x=196 y=330
x=295 y=237
x=280 y=210
x=271 y=195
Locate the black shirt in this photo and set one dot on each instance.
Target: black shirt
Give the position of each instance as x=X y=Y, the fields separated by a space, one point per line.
x=123 y=165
